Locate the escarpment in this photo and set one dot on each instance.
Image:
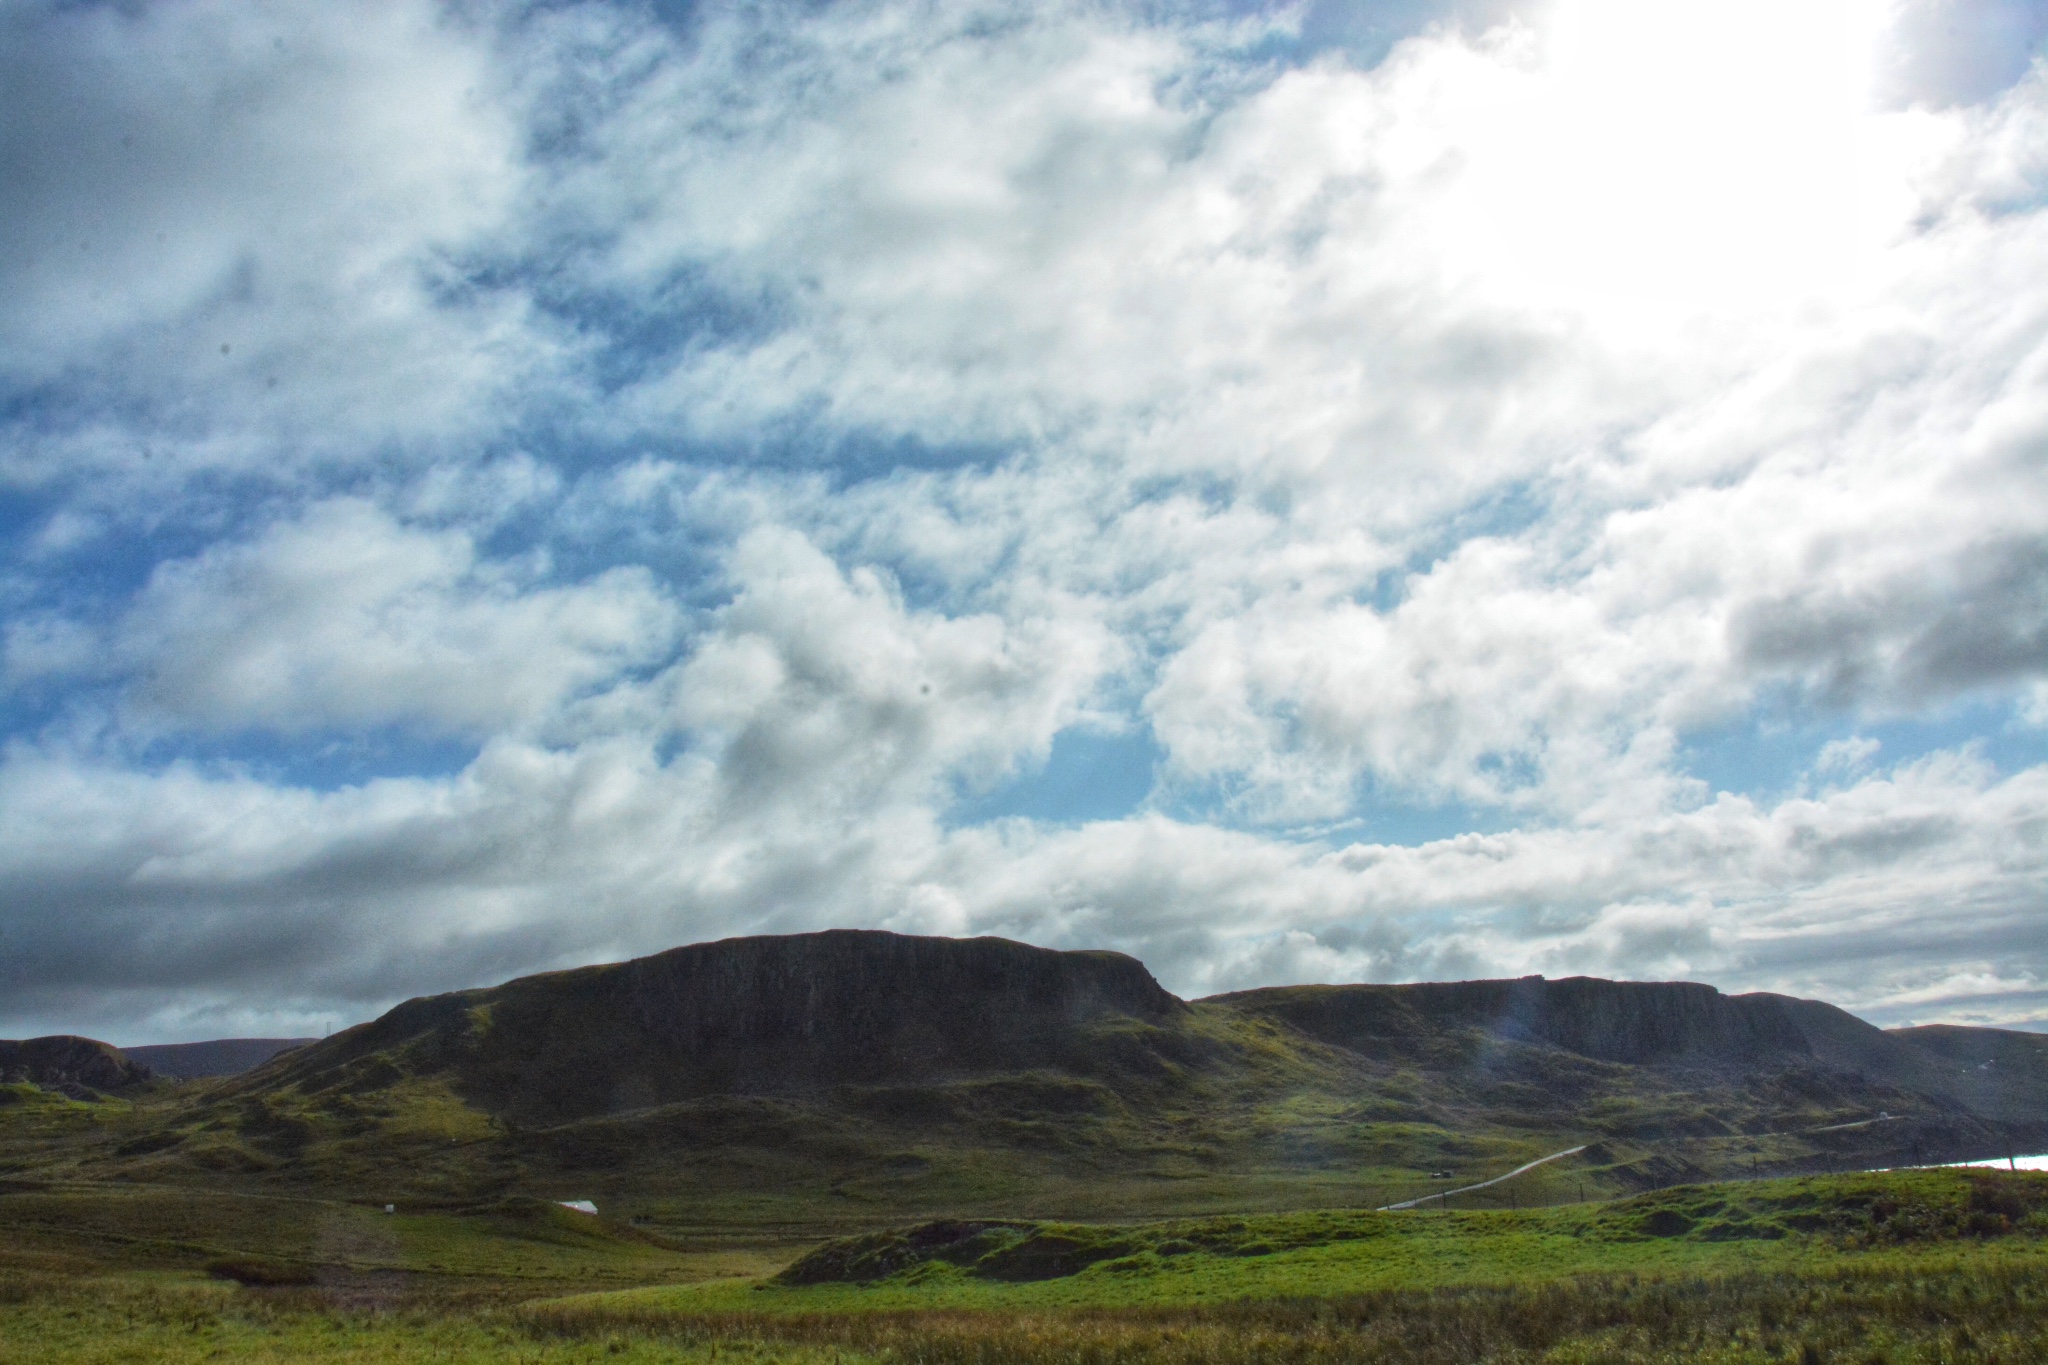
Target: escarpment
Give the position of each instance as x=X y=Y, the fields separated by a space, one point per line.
x=876 y=1063
x=967 y=1042
x=761 y=1016
x=1634 y=1022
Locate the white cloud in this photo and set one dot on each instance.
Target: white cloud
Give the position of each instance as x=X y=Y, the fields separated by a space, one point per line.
x=182 y=891
x=825 y=685
x=906 y=384
x=343 y=617
x=239 y=233
x=1363 y=300
x=1844 y=757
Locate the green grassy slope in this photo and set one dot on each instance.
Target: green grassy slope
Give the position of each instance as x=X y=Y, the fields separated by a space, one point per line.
x=1270 y=1121
x=820 y=1084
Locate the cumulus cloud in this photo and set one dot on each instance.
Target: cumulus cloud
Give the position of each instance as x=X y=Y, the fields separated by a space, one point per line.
x=245 y=238
x=757 y=440
x=1979 y=621
x=179 y=894
x=1947 y=52
x=815 y=680
x=342 y=617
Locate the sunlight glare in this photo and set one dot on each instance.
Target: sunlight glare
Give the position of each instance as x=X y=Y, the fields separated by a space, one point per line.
x=1662 y=160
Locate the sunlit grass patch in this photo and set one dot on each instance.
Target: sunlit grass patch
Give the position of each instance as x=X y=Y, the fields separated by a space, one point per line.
x=1816 y=1224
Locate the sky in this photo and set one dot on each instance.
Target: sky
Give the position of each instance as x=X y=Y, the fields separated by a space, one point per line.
x=1404 y=490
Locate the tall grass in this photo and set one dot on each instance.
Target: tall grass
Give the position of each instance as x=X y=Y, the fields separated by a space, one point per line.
x=1876 y=1315
x=1973 y=1309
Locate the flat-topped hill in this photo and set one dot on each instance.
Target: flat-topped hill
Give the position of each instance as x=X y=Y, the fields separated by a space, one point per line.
x=943 y=1076
x=845 y=1011
x=758 y=1016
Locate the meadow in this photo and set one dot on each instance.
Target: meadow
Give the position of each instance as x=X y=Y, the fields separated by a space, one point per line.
x=1906 y=1266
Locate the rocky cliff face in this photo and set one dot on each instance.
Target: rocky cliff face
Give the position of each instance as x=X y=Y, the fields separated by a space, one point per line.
x=76 y=1066
x=1634 y=1022
x=876 y=1023
x=876 y=1000
x=769 y=1015
x=851 y=1052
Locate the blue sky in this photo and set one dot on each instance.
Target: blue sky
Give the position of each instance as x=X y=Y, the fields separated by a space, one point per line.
x=1324 y=492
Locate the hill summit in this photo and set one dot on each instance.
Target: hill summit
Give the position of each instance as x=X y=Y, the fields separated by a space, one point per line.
x=78 y=1067
x=763 y=1015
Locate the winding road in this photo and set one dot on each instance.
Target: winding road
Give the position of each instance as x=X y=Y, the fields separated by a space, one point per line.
x=1466 y=1189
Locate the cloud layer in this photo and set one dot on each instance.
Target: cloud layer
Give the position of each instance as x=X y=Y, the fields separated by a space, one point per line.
x=1545 y=488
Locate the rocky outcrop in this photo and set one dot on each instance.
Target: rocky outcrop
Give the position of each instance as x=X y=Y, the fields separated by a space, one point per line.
x=79 y=1067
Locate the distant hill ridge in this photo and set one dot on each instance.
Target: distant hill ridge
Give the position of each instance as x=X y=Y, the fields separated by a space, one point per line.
x=797 y=1067
x=215 y=1057
x=1011 y=1043
x=804 y=1012
x=1635 y=1022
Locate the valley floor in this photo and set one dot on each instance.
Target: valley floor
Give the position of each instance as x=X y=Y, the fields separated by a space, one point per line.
x=1901 y=1266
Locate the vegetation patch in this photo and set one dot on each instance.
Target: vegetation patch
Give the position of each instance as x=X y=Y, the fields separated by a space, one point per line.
x=1903 y=1267
x=1819 y=1222
x=1884 y=1313
x=248 y=1270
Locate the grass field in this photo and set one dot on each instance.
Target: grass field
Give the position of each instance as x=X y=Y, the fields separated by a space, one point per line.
x=1911 y=1266
x=1817 y=1225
